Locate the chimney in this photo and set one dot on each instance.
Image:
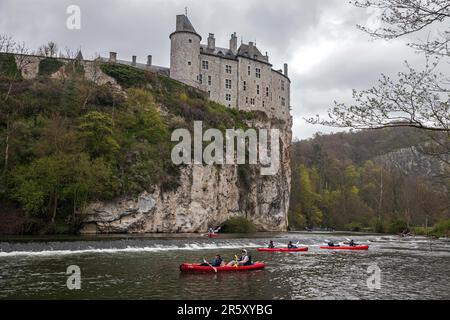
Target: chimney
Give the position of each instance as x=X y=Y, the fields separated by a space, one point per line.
x=286 y=70
x=149 y=60
x=251 y=44
x=133 y=63
x=113 y=57
x=233 y=43
x=211 y=42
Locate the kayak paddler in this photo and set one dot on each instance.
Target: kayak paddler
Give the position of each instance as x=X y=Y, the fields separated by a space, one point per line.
x=331 y=244
x=271 y=245
x=217 y=262
x=291 y=246
x=350 y=243
x=244 y=260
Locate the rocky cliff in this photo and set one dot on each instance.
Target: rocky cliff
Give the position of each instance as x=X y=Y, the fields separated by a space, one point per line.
x=207 y=197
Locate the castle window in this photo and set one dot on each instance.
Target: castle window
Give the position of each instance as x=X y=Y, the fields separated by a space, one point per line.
x=209 y=80
x=282 y=85
x=246 y=99
x=283 y=102
x=267 y=91
x=264 y=104
x=190 y=40
x=205 y=65
x=227 y=84
x=249 y=70
x=189 y=63
x=200 y=78
x=228 y=97
x=258 y=73
x=257 y=89
x=245 y=85
x=228 y=69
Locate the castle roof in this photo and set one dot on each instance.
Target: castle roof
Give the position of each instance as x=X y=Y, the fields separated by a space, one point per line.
x=217 y=51
x=251 y=51
x=184 y=25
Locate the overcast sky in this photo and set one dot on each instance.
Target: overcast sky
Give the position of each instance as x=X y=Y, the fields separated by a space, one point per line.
x=327 y=54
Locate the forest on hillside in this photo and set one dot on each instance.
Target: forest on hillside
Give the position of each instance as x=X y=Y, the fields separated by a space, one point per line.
x=67 y=141
x=359 y=181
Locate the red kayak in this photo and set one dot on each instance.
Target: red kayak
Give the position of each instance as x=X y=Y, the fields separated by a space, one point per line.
x=213 y=235
x=187 y=267
x=361 y=247
x=283 y=249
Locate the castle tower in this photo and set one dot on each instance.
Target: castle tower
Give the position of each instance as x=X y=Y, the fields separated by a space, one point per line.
x=185 y=52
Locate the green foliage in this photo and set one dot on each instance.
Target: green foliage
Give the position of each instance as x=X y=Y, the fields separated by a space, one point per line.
x=308 y=200
x=397 y=226
x=72 y=142
x=238 y=225
x=354 y=227
x=8 y=66
x=49 y=66
x=96 y=131
x=352 y=190
x=442 y=229
x=49 y=181
x=125 y=75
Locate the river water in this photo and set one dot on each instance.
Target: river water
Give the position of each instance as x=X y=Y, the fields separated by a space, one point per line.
x=147 y=267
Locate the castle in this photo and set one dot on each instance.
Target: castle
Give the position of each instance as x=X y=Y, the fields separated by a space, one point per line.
x=236 y=77
x=240 y=78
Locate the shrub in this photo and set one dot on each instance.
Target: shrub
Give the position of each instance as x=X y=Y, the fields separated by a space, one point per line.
x=238 y=225
x=126 y=76
x=354 y=226
x=49 y=66
x=397 y=226
x=8 y=66
x=442 y=229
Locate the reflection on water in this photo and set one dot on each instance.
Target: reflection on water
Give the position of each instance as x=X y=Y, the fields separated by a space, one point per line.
x=147 y=268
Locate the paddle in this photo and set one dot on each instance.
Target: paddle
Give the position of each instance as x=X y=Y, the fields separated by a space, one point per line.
x=209 y=264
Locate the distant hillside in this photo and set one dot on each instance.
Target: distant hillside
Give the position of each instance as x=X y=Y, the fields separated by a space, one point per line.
x=367 y=180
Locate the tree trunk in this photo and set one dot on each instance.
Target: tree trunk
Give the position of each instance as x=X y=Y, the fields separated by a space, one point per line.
x=55 y=206
x=5 y=168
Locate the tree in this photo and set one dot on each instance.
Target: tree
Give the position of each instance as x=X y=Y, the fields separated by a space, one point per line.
x=97 y=134
x=309 y=199
x=48 y=50
x=415 y=98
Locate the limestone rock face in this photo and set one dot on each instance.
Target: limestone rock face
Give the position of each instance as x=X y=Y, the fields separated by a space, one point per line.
x=207 y=197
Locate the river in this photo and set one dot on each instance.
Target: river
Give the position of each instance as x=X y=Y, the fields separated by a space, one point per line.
x=147 y=267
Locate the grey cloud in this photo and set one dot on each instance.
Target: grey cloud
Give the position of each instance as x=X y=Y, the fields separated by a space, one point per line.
x=284 y=28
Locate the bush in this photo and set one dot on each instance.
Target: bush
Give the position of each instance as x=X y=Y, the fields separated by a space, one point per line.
x=8 y=66
x=126 y=76
x=442 y=229
x=378 y=226
x=49 y=66
x=238 y=225
x=354 y=226
x=397 y=226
